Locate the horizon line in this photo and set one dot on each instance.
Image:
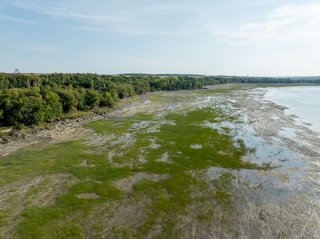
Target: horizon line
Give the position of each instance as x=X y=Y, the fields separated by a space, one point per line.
x=165 y=74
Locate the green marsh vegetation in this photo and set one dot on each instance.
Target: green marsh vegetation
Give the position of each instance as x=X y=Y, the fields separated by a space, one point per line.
x=176 y=145
x=60 y=220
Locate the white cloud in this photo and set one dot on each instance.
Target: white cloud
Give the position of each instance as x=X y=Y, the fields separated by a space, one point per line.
x=290 y=24
x=43 y=49
x=134 y=19
x=133 y=31
x=283 y=41
x=64 y=9
x=220 y=37
x=13 y=19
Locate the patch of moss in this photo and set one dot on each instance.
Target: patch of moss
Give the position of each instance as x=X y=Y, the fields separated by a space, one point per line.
x=4 y=217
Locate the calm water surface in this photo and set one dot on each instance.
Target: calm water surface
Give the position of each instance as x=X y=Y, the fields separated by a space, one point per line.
x=302 y=101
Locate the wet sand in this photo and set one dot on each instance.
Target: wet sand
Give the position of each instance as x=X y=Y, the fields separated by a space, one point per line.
x=283 y=202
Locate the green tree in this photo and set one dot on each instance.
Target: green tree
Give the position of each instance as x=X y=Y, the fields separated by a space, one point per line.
x=52 y=105
x=68 y=100
x=107 y=100
x=92 y=99
x=22 y=107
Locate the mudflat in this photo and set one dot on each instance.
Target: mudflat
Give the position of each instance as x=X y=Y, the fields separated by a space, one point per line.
x=218 y=163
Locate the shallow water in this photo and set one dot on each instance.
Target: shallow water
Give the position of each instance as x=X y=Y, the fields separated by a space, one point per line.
x=301 y=101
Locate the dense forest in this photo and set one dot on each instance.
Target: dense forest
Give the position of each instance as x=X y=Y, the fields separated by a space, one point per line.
x=26 y=99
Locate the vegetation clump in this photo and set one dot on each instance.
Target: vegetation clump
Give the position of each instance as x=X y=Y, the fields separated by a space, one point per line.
x=32 y=98
x=29 y=98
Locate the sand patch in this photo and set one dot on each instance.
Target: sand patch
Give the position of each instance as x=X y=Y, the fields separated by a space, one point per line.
x=164 y=158
x=88 y=196
x=127 y=184
x=196 y=146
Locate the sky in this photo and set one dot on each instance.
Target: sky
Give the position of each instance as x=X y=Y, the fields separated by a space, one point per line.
x=212 y=37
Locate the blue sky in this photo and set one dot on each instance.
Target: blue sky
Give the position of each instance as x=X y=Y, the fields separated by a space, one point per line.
x=227 y=37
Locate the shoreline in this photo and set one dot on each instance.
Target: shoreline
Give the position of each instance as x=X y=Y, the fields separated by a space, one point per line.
x=58 y=131
x=283 y=194
x=301 y=103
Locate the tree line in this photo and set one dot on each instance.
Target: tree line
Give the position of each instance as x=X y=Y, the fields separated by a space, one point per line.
x=27 y=99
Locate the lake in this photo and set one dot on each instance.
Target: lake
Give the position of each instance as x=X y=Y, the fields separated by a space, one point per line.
x=301 y=101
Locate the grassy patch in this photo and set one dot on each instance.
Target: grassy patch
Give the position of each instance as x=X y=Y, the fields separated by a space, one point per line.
x=222 y=89
x=109 y=127
x=117 y=126
x=169 y=197
x=160 y=98
x=178 y=139
x=58 y=220
x=61 y=158
x=4 y=217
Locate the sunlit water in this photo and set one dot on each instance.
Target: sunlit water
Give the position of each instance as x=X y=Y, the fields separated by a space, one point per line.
x=301 y=101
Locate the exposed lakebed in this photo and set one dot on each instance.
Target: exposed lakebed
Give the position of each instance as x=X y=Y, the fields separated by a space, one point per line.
x=217 y=163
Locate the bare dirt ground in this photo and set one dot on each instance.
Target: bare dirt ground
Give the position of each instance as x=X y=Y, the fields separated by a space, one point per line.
x=54 y=133
x=114 y=220
x=127 y=184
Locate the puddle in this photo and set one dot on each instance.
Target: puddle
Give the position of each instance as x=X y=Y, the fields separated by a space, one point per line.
x=289 y=133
